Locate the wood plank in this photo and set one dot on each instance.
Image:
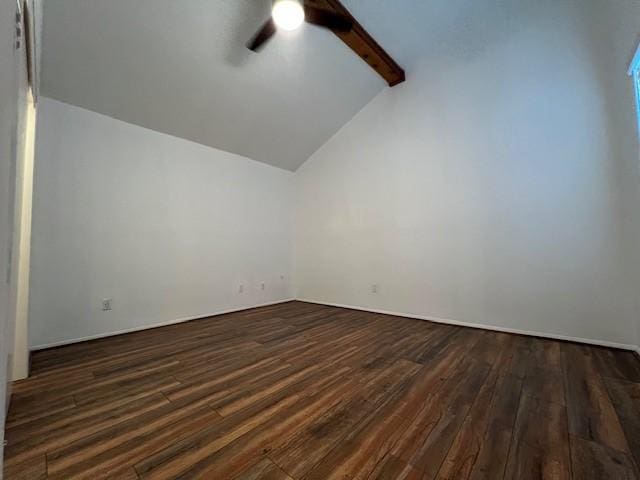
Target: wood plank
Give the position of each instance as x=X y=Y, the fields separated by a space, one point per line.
x=620 y=364
x=201 y=451
x=315 y=392
x=72 y=430
x=591 y=460
x=392 y=468
x=34 y=408
x=363 y=44
x=494 y=411
x=540 y=445
x=233 y=458
x=111 y=450
x=357 y=455
x=626 y=399
x=491 y=461
x=304 y=450
x=264 y=470
x=426 y=442
x=591 y=413
x=32 y=469
x=150 y=422
x=545 y=385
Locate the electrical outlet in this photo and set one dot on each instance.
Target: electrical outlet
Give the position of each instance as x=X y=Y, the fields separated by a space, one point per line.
x=262 y=285
x=107 y=304
x=241 y=288
x=374 y=288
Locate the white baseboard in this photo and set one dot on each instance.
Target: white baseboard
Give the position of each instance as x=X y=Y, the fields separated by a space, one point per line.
x=552 y=336
x=154 y=325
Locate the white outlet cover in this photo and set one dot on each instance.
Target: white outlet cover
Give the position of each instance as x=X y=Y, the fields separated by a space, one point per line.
x=107 y=304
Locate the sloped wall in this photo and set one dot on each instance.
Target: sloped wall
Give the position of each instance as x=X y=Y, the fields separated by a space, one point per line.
x=497 y=186
x=166 y=228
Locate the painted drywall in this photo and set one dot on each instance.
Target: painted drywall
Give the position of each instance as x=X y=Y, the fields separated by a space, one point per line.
x=625 y=30
x=182 y=68
x=13 y=105
x=7 y=126
x=614 y=33
x=498 y=186
x=35 y=8
x=490 y=188
x=165 y=227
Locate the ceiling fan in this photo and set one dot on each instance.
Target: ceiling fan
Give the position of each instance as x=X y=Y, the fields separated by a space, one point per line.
x=289 y=15
x=332 y=15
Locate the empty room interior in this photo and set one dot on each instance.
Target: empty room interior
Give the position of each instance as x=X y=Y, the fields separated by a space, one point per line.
x=320 y=239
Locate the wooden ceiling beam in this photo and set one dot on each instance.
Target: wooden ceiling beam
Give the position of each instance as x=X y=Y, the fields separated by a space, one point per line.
x=363 y=44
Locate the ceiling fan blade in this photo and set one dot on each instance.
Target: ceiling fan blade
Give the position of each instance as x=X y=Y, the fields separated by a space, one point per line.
x=327 y=19
x=261 y=37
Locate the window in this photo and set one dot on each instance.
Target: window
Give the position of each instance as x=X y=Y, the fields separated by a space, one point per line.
x=634 y=72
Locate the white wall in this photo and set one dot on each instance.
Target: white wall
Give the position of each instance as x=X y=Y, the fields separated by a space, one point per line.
x=22 y=236
x=13 y=104
x=615 y=30
x=7 y=127
x=491 y=188
x=497 y=186
x=166 y=227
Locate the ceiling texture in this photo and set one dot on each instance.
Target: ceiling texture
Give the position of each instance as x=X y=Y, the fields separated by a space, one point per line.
x=181 y=67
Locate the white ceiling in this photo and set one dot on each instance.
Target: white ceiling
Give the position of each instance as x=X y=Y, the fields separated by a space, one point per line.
x=180 y=67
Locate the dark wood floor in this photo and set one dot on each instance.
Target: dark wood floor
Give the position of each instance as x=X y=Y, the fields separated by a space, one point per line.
x=301 y=391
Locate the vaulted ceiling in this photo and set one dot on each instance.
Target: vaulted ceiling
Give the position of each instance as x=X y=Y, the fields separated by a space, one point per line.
x=181 y=67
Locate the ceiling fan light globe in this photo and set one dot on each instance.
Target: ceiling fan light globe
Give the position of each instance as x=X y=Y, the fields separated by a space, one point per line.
x=287 y=14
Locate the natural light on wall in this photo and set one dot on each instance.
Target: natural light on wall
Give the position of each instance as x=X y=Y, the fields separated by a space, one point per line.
x=634 y=71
